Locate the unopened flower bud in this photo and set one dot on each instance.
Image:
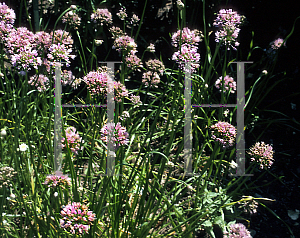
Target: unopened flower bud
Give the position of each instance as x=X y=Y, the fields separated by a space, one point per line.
x=3 y=133
x=180 y=5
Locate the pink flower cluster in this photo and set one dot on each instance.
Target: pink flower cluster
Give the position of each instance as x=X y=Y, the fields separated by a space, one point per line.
x=135 y=99
x=125 y=43
x=151 y=78
x=237 y=230
x=67 y=78
x=72 y=19
x=40 y=81
x=76 y=218
x=26 y=58
x=54 y=181
x=263 y=154
x=133 y=62
x=276 y=44
x=224 y=133
x=7 y=14
x=7 y=19
x=117 y=132
x=229 y=84
x=97 y=84
x=73 y=140
x=187 y=37
x=122 y=14
x=116 y=32
x=134 y=20
x=228 y=21
x=59 y=52
x=156 y=66
x=101 y=16
x=249 y=206
x=17 y=39
x=188 y=48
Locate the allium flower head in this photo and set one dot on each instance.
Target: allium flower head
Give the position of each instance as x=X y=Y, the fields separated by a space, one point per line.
x=229 y=83
x=19 y=38
x=125 y=43
x=41 y=82
x=76 y=218
x=72 y=19
x=151 y=48
x=237 y=230
x=62 y=37
x=248 y=206
x=188 y=36
x=188 y=53
x=135 y=99
x=133 y=62
x=97 y=84
x=7 y=15
x=116 y=32
x=6 y=176
x=54 y=181
x=73 y=139
x=151 y=79
x=101 y=16
x=119 y=135
x=224 y=133
x=134 y=20
x=263 y=154
x=276 y=44
x=156 y=66
x=59 y=52
x=228 y=22
x=122 y=14
x=26 y=58
x=42 y=40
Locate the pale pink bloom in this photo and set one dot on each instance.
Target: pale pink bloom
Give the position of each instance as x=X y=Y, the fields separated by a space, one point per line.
x=119 y=135
x=276 y=44
x=263 y=154
x=41 y=82
x=62 y=181
x=122 y=14
x=191 y=37
x=73 y=139
x=7 y=15
x=156 y=66
x=76 y=218
x=72 y=19
x=228 y=22
x=224 y=133
x=229 y=84
x=101 y=16
x=125 y=43
x=151 y=79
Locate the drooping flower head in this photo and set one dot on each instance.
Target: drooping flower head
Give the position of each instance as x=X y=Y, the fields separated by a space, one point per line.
x=224 y=133
x=76 y=218
x=263 y=154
